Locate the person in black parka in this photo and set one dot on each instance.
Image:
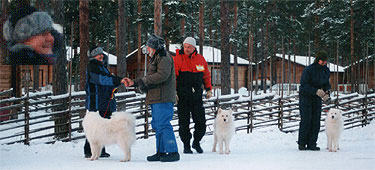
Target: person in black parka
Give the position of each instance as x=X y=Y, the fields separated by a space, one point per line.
x=314 y=88
x=100 y=88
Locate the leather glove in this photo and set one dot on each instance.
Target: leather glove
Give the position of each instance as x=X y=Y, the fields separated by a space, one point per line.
x=325 y=97
x=209 y=94
x=320 y=93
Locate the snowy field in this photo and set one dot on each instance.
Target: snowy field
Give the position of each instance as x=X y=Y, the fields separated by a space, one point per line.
x=262 y=149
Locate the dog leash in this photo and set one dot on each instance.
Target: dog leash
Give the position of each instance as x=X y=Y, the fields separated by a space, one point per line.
x=112 y=96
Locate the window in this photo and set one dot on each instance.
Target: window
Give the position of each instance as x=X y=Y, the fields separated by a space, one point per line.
x=216 y=76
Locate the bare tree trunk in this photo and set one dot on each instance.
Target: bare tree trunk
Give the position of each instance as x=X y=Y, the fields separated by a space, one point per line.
x=352 y=45
x=166 y=24
x=294 y=63
x=265 y=57
x=122 y=34
x=201 y=27
x=139 y=38
x=36 y=77
x=3 y=18
x=225 y=56
x=84 y=40
x=210 y=29
x=183 y=19
x=59 y=83
x=316 y=30
x=282 y=68
x=157 y=17
x=234 y=48
x=289 y=68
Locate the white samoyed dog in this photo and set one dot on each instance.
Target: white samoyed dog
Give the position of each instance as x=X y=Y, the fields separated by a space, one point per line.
x=223 y=130
x=334 y=125
x=120 y=130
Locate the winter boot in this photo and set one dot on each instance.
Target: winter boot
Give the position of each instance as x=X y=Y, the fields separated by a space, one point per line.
x=302 y=147
x=197 y=147
x=187 y=149
x=88 y=155
x=170 y=157
x=155 y=157
x=313 y=148
x=104 y=154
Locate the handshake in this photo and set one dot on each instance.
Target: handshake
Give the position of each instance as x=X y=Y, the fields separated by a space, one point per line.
x=127 y=82
x=322 y=94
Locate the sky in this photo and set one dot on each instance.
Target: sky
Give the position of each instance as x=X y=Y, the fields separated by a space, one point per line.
x=266 y=148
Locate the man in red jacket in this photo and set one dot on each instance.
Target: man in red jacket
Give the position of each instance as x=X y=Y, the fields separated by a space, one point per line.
x=191 y=75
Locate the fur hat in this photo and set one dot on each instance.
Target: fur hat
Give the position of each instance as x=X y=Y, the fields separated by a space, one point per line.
x=155 y=42
x=95 y=51
x=190 y=40
x=321 y=55
x=26 y=22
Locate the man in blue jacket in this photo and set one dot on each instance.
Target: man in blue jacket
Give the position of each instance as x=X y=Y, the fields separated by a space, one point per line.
x=100 y=88
x=314 y=88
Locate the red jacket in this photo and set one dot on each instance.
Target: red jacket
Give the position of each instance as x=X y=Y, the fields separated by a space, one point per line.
x=191 y=72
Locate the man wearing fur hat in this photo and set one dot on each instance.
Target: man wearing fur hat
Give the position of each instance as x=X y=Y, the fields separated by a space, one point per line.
x=314 y=88
x=100 y=88
x=159 y=84
x=31 y=37
x=191 y=74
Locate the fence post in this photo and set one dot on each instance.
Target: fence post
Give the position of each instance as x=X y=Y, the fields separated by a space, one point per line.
x=250 y=117
x=280 y=122
x=364 y=112
x=146 y=118
x=27 y=115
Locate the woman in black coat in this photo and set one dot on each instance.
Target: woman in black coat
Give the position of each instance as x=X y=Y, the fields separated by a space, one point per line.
x=314 y=88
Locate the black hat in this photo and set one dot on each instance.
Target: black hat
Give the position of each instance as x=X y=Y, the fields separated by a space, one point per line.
x=321 y=55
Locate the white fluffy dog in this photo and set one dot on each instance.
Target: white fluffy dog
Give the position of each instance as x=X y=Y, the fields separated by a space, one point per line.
x=120 y=130
x=223 y=130
x=334 y=126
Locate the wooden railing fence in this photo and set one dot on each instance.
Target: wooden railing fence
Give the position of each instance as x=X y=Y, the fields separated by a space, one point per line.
x=250 y=114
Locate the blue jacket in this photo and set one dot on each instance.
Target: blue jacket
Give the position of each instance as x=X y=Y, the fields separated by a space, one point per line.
x=314 y=77
x=99 y=85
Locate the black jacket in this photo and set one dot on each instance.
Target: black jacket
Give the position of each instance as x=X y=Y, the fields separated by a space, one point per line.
x=314 y=77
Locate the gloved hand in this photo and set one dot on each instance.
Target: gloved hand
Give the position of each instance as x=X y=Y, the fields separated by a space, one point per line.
x=209 y=94
x=325 y=97
x=320 y=93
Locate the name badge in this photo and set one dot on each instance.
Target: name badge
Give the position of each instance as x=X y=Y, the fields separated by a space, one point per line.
x=200 y=67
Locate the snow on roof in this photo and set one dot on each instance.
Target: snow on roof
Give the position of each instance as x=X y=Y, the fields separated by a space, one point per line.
x=304 y=60
x=211 y=54
x=112 y=59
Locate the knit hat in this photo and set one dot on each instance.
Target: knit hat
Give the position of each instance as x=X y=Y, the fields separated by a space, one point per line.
x=155 y=42
x=190 y=40
x=321 y=55
x=26 y=22
x=95 y=51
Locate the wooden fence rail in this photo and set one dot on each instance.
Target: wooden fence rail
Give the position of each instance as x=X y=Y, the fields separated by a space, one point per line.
x=34 y=119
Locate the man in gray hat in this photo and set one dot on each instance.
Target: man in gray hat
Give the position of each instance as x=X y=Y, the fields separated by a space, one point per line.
x=100 y=88
x=31 y=37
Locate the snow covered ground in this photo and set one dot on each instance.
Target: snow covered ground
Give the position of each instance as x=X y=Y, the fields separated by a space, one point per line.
x=266 y=148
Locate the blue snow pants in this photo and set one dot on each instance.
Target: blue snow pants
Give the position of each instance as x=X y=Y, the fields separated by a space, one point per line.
x=162 y=114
